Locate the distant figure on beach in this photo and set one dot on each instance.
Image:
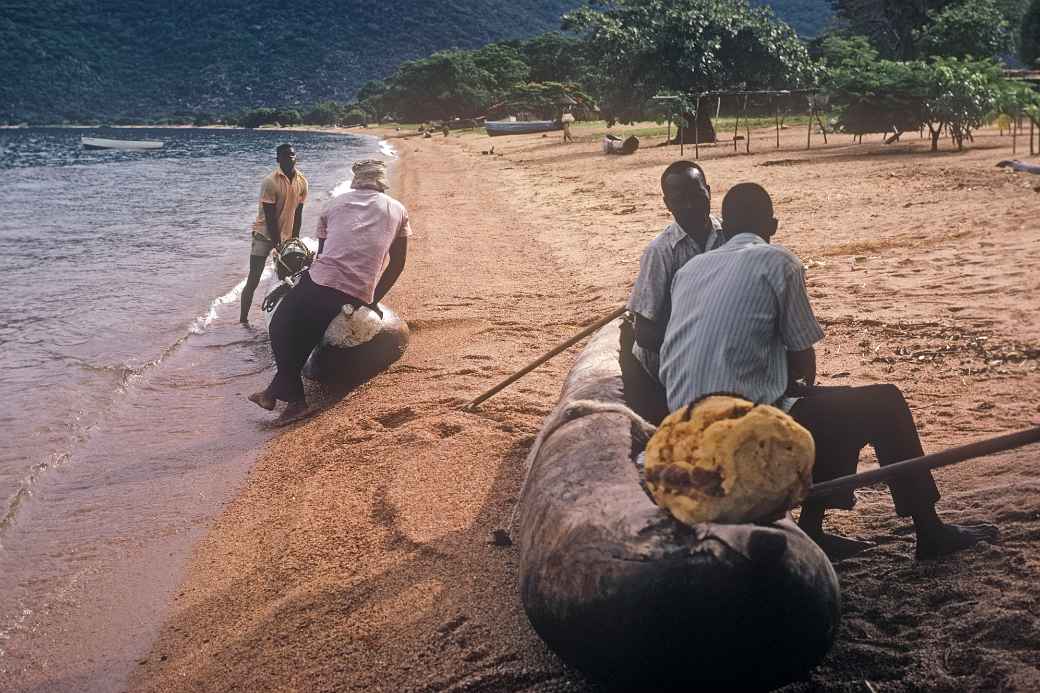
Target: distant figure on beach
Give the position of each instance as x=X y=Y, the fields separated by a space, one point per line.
x=567 y=119
x=278 y=219
x=357 y=231
x=742 y=324
x=687 y=196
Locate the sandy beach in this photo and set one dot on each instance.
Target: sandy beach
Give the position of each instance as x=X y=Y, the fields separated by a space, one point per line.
x=356 y=556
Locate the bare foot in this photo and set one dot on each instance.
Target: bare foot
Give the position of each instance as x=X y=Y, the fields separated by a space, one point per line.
x=295 y=411
x=263 y=400
x=948 y=539
x=837 y=547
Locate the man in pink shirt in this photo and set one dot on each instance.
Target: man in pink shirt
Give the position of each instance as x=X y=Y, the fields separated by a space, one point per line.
x=357 y=232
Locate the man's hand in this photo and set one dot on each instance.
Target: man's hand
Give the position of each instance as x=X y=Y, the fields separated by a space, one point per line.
x=801 y=371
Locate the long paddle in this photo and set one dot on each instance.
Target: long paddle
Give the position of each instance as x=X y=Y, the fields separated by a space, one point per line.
x=944 y=458
x=614 y=315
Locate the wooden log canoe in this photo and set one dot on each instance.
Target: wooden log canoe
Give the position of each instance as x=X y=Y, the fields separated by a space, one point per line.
x=630 y=597
x=333 y=363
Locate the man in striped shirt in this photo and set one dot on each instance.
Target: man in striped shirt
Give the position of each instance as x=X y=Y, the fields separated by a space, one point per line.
x=687 y=196
x=742 y=324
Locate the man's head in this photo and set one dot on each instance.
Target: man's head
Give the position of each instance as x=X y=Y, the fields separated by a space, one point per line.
x=369 y=174
x=687 y=196
x=286 y=158
x=747 y=208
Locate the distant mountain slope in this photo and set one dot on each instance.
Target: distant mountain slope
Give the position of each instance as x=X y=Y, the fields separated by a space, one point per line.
x=81 y=59
x=111 y=58
x=808 y=17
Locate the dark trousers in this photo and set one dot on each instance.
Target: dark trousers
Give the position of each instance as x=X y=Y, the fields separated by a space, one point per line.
x=843 y=420
x=296 y=328
x=256 y=268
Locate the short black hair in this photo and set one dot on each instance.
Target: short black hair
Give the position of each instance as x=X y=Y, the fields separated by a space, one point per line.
x=282 y=147
x=680 y=167
x=746 y=207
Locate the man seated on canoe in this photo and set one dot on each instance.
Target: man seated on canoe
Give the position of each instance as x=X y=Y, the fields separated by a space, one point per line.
x=742 y=324
x=687 y=196
x=357 y=232
x=278 y=219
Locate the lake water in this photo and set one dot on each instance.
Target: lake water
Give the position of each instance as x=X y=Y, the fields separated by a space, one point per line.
x=123 y=372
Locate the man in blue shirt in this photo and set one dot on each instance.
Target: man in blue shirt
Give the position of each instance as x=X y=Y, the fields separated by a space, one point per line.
x=742 y=324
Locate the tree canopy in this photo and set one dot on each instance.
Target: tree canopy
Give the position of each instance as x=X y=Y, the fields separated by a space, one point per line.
x=643 y=47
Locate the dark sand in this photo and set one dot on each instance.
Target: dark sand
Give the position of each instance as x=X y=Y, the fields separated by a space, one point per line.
x=355 y=559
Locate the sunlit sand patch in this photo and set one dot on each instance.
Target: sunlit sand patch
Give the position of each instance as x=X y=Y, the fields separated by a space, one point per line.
x=443 y=488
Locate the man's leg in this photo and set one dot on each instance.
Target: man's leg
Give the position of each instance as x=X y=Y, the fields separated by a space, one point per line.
x=878 y=415
x=256 y=268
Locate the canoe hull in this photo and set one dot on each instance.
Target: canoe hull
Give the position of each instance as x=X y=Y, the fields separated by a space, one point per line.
x=497 y=128
x=336 y=365
x=627 y=595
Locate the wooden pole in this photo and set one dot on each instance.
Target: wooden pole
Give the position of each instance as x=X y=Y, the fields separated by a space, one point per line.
x=776 y=110
x=812 y=111
x=962 y=453
x=669 y=127
x=682 y=133
x=697 y=129
x=747 y=129
x=614 y=315
x=736 y=129
x=1031 y=136
x=1014 y=135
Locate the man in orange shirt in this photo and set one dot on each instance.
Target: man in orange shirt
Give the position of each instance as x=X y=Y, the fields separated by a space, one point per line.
x=278 y=218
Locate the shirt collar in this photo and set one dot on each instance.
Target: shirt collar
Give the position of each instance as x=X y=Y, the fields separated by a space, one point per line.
x=745 y=239
x=675 y=234
x=279 y=172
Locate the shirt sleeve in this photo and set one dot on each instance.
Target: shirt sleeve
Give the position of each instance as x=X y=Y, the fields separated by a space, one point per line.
x=650 y=294
x=405 y=229
x=798 y=326
x=304 y=189
x=269 y=191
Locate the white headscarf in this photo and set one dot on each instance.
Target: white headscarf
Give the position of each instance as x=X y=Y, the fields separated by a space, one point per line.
x=370 y=174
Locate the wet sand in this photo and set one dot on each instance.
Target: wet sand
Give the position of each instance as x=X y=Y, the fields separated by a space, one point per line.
x=355 y=558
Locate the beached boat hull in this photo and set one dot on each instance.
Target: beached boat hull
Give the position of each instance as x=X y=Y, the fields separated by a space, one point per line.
x=353 y=365
x=624 y=593
x=496 y=128
x=100 y=143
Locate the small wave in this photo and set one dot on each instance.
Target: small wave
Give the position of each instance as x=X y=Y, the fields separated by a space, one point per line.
x=199 y=325
x=387 y=150
x=342 y=187
x=24 y=491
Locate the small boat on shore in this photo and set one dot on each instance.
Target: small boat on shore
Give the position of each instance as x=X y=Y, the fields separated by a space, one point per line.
x=496 y=128
x=102 y=143
x=631 y=597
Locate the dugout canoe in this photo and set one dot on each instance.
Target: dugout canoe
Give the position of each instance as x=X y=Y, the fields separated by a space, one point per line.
x=630 y=597
x=102 y=143
x=522 y=127
x=340 y=360
x=333 y=362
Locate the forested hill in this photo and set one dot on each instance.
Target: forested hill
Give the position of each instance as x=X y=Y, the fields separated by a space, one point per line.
x=113 y=59
x=807 y=17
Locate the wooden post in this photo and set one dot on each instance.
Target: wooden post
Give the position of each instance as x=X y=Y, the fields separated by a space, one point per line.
x=736 y=129
x=669 y=140
x=776 y=109
x=1031 y=150
x=812 y=111
x=682 y=132
x=697 y=129
x=1014 y=135
x=747 y=128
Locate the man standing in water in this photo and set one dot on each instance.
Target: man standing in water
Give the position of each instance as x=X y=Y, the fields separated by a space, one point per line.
x=687 y=196
x=278 y=218
x=357 y=232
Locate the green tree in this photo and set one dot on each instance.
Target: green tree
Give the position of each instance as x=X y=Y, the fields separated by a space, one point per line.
x=977 y=28
x=445 y=85
x=554 y=57
x=324 y=113
x=962 y=96
x=645 y=47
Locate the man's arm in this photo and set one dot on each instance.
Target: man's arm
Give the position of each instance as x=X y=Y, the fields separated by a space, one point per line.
x=801 y=366
x=398 y=255
x=271 y=219
x=297 y=221
x=649 y=334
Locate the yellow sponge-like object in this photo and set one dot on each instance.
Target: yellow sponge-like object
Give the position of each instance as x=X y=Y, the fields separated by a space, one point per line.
x=727 y=460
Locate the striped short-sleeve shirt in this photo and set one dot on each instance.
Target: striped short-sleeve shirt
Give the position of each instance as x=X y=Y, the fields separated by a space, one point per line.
x=651 y=294
x=736 y=312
